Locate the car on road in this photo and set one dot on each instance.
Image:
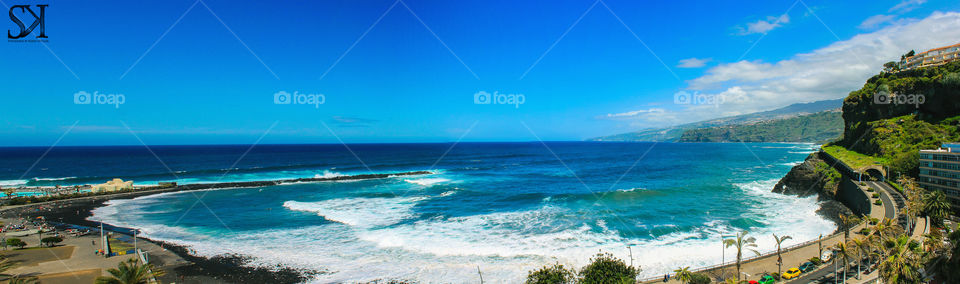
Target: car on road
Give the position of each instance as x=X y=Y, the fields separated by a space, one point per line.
x=807 y=266
x=827 y=256
x=791 y=273
x=767 y=279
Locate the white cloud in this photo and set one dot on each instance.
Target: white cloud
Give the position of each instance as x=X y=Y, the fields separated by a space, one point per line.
x=693 y=62
x=907 y=5
x=827 y=73
x=765 y=26
x=875 y=21
x=635 y=113
x=830 y=72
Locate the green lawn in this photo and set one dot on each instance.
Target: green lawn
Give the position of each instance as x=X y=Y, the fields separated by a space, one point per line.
x=853 y=159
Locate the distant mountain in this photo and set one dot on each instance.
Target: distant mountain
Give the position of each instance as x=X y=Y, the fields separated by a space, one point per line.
x=819 y=127
x=673 y=133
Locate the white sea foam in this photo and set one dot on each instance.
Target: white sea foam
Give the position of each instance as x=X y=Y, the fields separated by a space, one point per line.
x=427 y=181
x=360 y=212
x=328 y=174
x=53 y=179
x=13 y=182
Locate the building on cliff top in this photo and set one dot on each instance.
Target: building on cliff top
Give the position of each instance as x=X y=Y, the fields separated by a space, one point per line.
x=933 y=57
x=940 y=170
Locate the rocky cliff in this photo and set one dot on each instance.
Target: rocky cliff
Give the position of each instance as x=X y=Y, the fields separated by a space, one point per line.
x=815 y=177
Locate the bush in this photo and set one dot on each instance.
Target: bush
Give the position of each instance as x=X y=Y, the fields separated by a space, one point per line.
x=604 y=268
x=50 y=241
x=15 y=242
x=870 y=189
x=555 y=274
x=878 y=202
x=698 y=278
x=863 y=183
x=875 y=195
x=865 y=231
x=874 y=221
x=816 y=260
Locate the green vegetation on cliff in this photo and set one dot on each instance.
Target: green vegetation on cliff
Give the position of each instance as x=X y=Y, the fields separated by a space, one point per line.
x=817 y=127
x=876 y=125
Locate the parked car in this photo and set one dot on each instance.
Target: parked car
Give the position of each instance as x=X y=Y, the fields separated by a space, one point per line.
x=807 y=266
x=753 y=282
x=827 y=256
x=791 y=273
x=767 y=279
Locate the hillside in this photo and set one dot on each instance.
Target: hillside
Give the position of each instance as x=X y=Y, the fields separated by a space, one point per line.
x=893 y=132
x=674 y=133
x=818 y=127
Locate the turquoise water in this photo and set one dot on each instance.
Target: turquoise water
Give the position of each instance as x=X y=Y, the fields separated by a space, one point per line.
x=505 y=207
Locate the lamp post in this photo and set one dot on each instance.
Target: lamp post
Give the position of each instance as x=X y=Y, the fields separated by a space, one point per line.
x=723 y=256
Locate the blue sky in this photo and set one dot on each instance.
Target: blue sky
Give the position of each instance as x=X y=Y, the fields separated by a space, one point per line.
x=194 y=72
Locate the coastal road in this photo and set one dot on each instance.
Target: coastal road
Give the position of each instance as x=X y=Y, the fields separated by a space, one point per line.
x=889 y=206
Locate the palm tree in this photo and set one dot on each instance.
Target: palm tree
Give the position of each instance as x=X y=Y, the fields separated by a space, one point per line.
x=860 y=246
x=845 y=254
x=742 y=242
x=902 y=264
x=683 y=274
x=936 y=206
x=848 y=221
x=780 y=240
x=130 y=272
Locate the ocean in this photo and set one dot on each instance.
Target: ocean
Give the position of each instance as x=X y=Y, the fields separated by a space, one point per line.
x=502 y=208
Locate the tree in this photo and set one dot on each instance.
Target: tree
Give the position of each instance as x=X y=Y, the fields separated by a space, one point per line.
x=50 y=241
x=130 y=272
x=844 y=252
x=604 y=268
x=683 y=274
x=15 y=242
x=779 y=241
x=9 y=191
x=860 y=246
x=936 y=206
x=848 y=221
x=697 y=278
x=911 y=53
x=902 y=264
x=555 y=274
x=742 y=242
x=892 y=65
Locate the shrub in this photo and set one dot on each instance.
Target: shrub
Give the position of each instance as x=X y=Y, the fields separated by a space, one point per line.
x=875 y=195
x=15 y=242
x=878 y=202
x=871 y=189
x=699 y=278
x=604 y=268
x=50 y=241
x=554 y=274
x=874 y=221
x=863 y=183
x=864 y=231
